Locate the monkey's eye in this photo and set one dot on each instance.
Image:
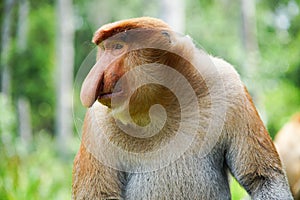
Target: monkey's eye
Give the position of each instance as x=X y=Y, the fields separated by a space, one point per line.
x=118 y=46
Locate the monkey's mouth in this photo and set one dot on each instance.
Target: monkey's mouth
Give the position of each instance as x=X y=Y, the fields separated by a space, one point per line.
x=106 y=98
x=110 y=95
x=115 y=92
x=96 y=88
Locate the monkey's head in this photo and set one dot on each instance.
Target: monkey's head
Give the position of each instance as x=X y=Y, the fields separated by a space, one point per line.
x=122 y=46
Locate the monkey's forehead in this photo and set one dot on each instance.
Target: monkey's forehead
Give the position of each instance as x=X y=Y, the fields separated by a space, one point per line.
x=111 y=29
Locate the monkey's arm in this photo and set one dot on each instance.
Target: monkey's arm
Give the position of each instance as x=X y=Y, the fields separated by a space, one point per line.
x=92 y=179
x=251 y=155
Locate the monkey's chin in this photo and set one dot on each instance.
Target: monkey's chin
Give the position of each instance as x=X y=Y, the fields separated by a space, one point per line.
x=105 y=102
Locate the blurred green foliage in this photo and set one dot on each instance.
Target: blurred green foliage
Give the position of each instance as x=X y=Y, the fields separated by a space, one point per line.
x=31 y=172
x=37 y=171
x=216 y=26
x=280 y=60
x=237 y=192
x=33 y=68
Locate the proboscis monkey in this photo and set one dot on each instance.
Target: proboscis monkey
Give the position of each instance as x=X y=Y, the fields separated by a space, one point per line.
x=167 y=121
x=287 y=141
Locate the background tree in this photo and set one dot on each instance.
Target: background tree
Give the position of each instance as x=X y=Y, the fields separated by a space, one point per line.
x=5 y=46
x=64 y=73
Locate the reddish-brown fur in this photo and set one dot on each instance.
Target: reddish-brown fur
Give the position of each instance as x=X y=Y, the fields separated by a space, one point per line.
x=108 y=30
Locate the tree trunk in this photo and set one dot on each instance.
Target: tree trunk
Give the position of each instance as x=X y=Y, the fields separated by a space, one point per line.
x=22 y=25
x=252 y=56
x=173 y=12
x=249 y=36
x=5 y=47
x=23 y=105
x=64 y=74
x=25 y=129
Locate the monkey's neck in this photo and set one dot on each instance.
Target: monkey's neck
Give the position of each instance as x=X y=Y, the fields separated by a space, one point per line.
x=139 y=112
x=140 y=143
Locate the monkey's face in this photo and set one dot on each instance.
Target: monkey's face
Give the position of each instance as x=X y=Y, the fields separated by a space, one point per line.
x=118 y=55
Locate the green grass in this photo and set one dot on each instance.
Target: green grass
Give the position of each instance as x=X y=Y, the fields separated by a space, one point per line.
x=35 y=172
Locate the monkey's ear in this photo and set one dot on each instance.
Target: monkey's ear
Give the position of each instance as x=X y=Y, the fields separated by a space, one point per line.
x=166 y=33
